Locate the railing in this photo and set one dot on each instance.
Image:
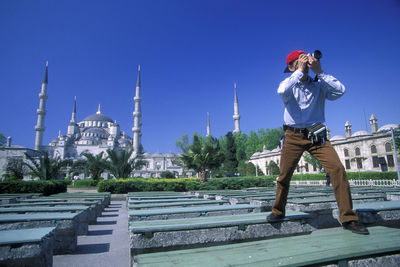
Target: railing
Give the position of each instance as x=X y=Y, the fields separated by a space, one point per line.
x=378 y=183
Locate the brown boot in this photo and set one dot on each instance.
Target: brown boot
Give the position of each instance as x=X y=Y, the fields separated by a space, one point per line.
x=356 y=227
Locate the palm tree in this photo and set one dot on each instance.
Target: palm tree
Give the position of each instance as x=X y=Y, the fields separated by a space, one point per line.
x=46 y=168
x=94 y=165
x=202 y=154
x=121 y=165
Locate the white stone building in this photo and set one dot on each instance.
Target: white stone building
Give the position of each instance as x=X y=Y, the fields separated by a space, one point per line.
x=359 y=151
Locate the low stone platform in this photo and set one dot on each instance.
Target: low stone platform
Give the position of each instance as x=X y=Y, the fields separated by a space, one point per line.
x=27 y=247
x=335 y=248
x=66 y=227
x=86 y=214
x=190 y=212
x=377 y=213
x=177 y=204
x=156 y=235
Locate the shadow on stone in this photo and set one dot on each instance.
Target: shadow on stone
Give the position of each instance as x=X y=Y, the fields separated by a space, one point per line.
x=93 y=248
x=110 y=210
x=109 y=215
x=277 y=225
x=106 y=222
x=100 y=232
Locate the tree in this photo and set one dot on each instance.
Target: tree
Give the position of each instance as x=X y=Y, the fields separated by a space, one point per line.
x=230 y=162
x=273 y=168
x=201 y=154
x=167 y=174
x=309 y=158
x=44 y=167
x=94 y=165
x=121 y=165
x=2 y=140
x=15 y=169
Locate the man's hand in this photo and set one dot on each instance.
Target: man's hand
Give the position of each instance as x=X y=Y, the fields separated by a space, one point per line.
x=302 y=63
x=315 y=65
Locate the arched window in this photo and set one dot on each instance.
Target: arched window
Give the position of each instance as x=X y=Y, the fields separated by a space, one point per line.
x=346 y=152
x=358 y=152
x=388 y=147
x=373 y=149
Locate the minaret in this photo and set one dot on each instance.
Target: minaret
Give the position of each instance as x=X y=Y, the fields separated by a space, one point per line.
x=347 y=126
x=41 y=111
x=374 y=123
x=137 y=115
x=208 y=125
x=236 y=116
x=73 y=127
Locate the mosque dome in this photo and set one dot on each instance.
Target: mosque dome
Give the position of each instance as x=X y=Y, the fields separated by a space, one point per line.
x=338 y=137
x=360 y=133
x=98 y=117
x=94 y=132
x=387 y=127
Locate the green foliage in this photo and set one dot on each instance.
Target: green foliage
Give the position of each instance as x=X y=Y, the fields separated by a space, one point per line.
x=273 y=168
x=309 y=158
x=350 y=176
x=38 y=186
x=44 y=167
x=94 y=165
x=86 y=183
x=2 y=140
x=120 y=164
x=201 y=154
x=15 y=169
x=167 y=174
x=230 y=162
x=123 y=186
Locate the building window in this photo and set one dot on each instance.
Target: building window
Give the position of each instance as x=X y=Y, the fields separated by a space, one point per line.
x=373 y=149
x=314 y=168
x=347 y=163
x=359 y=163
x=375 y=162
x=346 y=152
x=358 y=152
x=306 y=166
x=390 y=160
x=388 y=147
x=298 y=168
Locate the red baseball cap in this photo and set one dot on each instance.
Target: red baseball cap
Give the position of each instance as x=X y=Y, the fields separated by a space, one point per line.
x=292 y=56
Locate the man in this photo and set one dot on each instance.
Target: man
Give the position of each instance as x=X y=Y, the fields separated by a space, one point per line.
x=304 y=100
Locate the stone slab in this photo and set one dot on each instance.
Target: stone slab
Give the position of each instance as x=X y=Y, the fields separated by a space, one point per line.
x=190 y=212
x=377 y=213
x=66 y=227
x=27 y=247
x=323 y=249
x=156 y=235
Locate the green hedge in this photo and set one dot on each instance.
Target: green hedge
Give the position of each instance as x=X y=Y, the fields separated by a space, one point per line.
x=47 y=187
x=85 y=183
x=123 y=186
x=350 y=175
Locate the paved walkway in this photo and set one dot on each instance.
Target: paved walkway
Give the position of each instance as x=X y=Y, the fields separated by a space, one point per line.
x=107 y=243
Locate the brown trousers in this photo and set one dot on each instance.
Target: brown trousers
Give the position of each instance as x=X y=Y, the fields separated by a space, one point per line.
x=294 y=146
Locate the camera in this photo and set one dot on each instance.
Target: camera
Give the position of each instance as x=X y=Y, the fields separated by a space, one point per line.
x=317 y=54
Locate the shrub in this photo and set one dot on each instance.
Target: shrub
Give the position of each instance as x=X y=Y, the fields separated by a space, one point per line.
x=85 y=183
x=350 y=176
x=122 y=186
x=46 y=187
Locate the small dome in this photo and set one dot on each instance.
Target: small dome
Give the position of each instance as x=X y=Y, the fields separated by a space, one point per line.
x=170 y=155
x=387 y=127
x=338 y=137
x=98 y=117
x=361 y=133
x=256 y=154
x=157 y=155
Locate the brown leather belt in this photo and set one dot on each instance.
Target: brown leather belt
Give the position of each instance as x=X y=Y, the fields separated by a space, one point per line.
x=296 y=130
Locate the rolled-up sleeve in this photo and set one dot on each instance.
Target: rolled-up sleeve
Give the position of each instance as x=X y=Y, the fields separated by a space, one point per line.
x=333 y=87
x=284 y=89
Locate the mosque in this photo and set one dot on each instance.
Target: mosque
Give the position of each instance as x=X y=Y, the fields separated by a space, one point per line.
x=358 y=151
x=98 y=132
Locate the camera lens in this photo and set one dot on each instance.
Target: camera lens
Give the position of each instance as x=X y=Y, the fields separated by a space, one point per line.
x=317 y=54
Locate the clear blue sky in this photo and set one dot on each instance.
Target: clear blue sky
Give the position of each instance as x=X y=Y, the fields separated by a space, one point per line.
x=191 y=53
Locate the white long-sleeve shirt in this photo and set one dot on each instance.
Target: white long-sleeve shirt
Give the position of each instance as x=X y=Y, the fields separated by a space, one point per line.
x=305 y=101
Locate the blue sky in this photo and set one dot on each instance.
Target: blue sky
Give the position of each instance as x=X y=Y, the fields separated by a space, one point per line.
x=191 y=53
